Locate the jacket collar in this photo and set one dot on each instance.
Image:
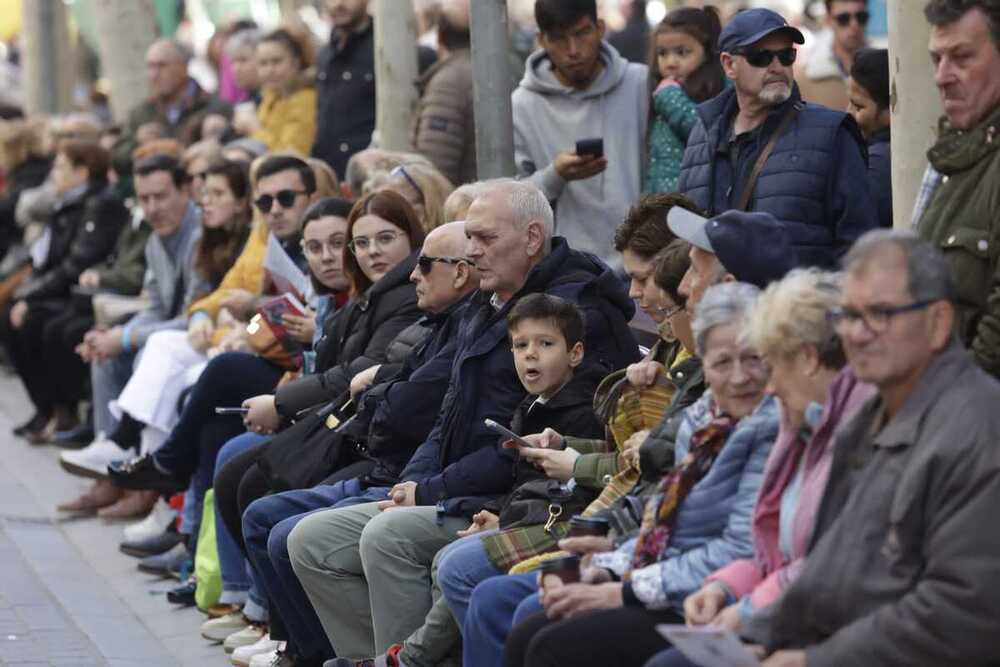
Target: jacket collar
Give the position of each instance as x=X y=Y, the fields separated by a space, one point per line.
x=881 y=137
x=399 y=275
x=718 y=113
x=958 y=150
x=938 y=378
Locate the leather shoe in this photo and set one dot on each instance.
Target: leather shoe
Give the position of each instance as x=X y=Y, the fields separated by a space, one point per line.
x=162 y=564
x=183 y=594
x=152 y=546
x=101 y=494
x=134 y=505
x=36 y=423
x=141 y=473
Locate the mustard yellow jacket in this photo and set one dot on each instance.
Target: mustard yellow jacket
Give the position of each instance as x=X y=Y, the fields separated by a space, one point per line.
x=289 y=122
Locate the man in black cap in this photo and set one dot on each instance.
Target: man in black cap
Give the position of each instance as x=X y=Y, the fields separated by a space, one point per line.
x=760 y=147
x=752 y=248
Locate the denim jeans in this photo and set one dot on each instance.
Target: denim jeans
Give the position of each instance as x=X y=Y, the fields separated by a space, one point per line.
x=494 y=607
x=464 y=565
x=237 y=577
x=266 y=525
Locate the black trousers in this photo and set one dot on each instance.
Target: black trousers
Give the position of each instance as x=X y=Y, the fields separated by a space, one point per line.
x=625 y=636
x=43 y=352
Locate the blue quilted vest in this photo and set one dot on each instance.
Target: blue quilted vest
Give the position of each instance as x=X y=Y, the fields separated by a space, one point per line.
x=794 y=183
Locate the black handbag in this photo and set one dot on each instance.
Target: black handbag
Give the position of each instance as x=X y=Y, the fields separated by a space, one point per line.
x=543 y=502
x=308 y=451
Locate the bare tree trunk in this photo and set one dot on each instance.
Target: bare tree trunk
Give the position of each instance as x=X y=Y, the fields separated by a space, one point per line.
x=491 y=89
x=914 y=103
x=126 y=28
x=47 y=59
x=395 y=73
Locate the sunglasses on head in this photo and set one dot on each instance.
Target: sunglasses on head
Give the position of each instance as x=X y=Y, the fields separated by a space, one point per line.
x=764 y=57
x=426 y=262
x=401 y=171
x=284 y=197
x=844 y=19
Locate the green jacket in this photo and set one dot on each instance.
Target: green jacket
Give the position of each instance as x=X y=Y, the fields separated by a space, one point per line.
x=963 y=220
x=127 y=265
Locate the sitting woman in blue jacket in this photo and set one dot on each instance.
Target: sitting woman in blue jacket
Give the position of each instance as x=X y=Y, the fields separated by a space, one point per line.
x=698 y=519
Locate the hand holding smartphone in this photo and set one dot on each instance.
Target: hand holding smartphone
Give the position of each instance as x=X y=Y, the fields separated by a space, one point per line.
x=502 y=430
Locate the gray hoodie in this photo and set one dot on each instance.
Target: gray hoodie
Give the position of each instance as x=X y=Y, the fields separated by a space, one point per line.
x=549 y=118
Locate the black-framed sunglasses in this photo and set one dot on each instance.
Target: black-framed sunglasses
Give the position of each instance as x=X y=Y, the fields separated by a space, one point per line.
x=844 y=18
x=426 y=262
x=284 y=197
x=401 y=171
x=763 y=57
x=876 y=318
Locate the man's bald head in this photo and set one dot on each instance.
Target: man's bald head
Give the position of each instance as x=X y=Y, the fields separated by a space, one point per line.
x=442 y=275
x=166 y=69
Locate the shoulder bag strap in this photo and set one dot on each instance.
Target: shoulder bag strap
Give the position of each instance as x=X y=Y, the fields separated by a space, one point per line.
x=786 y=120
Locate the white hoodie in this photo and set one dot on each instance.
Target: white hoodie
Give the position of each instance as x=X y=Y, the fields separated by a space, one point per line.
x=549 y=118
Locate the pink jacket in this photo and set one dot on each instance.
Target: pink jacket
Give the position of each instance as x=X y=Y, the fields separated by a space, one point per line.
x=767 y=575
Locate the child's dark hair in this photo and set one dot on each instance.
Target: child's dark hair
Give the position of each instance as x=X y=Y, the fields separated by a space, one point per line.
x=871 y=71
x=538 y=306
x=703 y=25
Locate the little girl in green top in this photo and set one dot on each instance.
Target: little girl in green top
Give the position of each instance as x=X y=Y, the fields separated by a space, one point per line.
x=684 y=70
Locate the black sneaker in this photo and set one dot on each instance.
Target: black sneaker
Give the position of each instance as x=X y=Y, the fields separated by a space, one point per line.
x=141 y=473
x=37 y=422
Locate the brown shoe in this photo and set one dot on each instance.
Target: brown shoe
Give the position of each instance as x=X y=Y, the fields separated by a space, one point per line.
x=133 y=505
x=220 y=610
x=102 y=494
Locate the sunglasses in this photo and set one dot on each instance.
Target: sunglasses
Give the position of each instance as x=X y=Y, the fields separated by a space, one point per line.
x=284 y=197
x=764 y=57
x=426 y=262
x=844 y=19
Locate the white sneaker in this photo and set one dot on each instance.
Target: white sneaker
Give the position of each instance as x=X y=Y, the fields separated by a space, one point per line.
x=244 y=654
x=267 y=659
x=218 y=629
x=155 y=523
x=92 y=461
x=247 y=636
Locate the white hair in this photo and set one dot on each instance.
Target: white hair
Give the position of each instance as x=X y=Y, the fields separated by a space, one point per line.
x=527 y=204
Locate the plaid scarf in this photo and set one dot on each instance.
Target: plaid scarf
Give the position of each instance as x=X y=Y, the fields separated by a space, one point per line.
x=661 y=509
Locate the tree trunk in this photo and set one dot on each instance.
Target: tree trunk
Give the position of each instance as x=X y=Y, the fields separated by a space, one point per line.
x=47 y=57
x=126 y=29
x=396 y=95
x=492 y=89
x=914 y=104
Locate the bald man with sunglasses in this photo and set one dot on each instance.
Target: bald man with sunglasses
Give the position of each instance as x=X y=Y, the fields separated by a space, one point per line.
x=759 y=147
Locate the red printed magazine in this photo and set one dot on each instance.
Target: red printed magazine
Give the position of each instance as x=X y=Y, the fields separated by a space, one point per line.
x=273 y=310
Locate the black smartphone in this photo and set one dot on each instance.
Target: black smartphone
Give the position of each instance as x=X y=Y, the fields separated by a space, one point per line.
x=504 y=431
x=231 y=411
x=590 y=147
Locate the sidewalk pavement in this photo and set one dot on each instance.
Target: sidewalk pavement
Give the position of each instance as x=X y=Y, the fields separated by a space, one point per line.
x=67 y=595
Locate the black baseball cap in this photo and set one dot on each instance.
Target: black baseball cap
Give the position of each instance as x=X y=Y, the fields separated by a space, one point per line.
x=752 y=25
x=754 y=247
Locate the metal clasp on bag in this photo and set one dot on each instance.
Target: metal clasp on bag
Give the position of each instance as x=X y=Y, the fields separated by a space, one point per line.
x=555 y=511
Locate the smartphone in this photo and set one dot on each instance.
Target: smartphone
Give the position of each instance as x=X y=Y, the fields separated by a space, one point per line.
x=590 y=147
x=502 y=430
x=231 y=411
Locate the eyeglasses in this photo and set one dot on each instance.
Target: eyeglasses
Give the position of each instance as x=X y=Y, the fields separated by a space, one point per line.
x=426 y=262
x=401 y=171
x=314 y=248
x=844 y=19
x=763 y=57
x=667 y=313
x=364 y=244
x=875 y=318
x=284 y=197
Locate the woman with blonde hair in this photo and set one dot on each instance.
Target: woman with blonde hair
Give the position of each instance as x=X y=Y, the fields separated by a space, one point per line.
x=424 y=188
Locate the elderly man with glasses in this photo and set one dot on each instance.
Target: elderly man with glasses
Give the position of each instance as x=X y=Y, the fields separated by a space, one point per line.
x=901 y=567
x=759 y=147
x=823 y=72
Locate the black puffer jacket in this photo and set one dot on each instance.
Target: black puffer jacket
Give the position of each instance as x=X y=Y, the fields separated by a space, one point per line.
x=356 y=337
x=84 y=229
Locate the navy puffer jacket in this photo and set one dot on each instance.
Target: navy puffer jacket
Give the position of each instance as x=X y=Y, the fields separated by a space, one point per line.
x=815 y=180
x=460 y=463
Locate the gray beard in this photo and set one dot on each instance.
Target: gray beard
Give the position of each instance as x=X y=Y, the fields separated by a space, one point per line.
x=773 y=98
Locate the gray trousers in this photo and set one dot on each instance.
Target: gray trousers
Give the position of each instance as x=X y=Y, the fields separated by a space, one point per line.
x=368 y=573
x=108 y=379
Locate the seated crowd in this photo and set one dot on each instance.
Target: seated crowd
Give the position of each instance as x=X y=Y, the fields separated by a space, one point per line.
x=412 y=425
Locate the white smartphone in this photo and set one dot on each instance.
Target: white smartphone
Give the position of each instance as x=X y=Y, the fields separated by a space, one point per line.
x=503 y=430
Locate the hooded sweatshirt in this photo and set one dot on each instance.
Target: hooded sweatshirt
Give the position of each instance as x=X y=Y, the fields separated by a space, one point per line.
x=549 y=118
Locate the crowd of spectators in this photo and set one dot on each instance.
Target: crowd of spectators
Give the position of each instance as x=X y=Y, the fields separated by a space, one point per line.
x=372 y=411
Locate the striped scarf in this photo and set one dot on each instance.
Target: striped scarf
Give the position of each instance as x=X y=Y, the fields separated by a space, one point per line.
x=661 y=509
